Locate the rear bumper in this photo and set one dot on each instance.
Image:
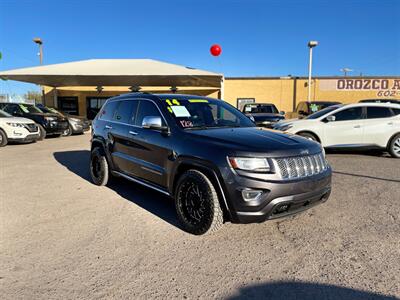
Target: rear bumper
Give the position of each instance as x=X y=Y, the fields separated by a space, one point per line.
x=279 y=198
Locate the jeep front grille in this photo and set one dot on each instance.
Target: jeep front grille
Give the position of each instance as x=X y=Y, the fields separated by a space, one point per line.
x=301 y=166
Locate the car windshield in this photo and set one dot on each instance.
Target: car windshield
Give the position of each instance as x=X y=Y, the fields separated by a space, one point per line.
x=29 y=108
x=201 y=113
x=260 y=108
x=323 y=112
x=3 y=114
x=46 y=109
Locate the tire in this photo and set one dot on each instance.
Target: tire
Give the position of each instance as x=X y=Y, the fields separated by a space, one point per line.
x=394 y=146
x=308 y=136
x=3 y=138
x=67 y=132
x=197 y=204
x=42 y=133
x=99 y=169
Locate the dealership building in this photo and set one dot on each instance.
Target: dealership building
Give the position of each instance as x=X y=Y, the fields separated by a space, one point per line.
x=82 y=87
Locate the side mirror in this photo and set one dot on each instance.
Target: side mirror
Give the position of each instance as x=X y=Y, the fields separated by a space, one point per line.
x=154 y=122
x=282 y=113
x=331 y=118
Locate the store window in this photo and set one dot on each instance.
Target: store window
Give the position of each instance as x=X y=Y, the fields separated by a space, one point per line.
x=93 y=106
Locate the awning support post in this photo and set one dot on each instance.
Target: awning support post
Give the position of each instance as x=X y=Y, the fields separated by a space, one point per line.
x=55 y=102
x=221 y=89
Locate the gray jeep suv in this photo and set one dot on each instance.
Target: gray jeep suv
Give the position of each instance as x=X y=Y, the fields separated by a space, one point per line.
x=208 y=156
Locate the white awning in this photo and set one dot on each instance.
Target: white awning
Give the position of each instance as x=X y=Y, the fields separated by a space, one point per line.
x=115 y=72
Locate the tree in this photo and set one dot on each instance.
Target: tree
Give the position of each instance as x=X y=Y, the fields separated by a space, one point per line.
x=33 y=96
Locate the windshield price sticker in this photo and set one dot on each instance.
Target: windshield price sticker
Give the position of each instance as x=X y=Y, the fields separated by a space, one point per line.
x=24 y=108
x=314 y=107
x=180 y=111
x=186 y=123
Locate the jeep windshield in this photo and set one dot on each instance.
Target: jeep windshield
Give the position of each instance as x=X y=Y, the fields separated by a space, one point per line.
x=201 y=113
x=29 y=108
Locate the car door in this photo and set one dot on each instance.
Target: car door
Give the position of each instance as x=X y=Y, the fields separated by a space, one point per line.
x=119 y=136
x=150 y=148
x=346 y=130
x=379 y=125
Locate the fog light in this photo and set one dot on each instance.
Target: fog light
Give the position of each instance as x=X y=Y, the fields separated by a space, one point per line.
x=282 y=208
x=17 y=133
x=250 y=195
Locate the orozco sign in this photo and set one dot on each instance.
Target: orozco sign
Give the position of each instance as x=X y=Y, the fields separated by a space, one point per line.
x=384 y=87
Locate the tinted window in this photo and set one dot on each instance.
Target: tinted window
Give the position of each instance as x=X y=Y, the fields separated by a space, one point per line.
x=108 y=112
x=378 y=112
x=126 y=111
x=147 y=109
x=396 y=111
x=12 y=109
x=353 y=113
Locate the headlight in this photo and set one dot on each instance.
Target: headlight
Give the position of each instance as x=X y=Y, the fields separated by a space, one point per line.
x=16 y=124
x=284 y=127
x=75 y=120
x=50 y=118
x=250 y=164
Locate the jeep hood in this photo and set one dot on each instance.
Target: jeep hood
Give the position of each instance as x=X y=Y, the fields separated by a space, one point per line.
x=258 y=140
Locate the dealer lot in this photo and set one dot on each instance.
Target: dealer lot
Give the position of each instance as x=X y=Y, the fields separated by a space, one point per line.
x=64 y=238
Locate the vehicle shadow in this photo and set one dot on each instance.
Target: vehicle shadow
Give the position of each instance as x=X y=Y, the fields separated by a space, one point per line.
x=294 y=290
x=158 y=204
x=365 y=176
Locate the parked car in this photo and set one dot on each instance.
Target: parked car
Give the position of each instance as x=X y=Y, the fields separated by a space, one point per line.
x=353 y=126
x=209 y=157
x=382 y=100
x=48 y=123
x=20 y=130
x=263 y=114
x=76 y=124
x=306 y=108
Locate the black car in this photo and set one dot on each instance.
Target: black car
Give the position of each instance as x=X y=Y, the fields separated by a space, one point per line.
x=209 y=157
x=263 y=114
x=382 y=100
x=49 y=123
x=306 y=108
x=76 y=124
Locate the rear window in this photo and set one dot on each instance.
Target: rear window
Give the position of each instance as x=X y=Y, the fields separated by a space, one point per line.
x=378 y=112
x=108 y=111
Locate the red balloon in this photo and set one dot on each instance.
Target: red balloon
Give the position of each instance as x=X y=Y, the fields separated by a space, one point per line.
x=215 y=50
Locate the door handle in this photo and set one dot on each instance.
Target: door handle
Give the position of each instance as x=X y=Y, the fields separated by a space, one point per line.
x=133 y=132
x=108 y=127
x=357 y=126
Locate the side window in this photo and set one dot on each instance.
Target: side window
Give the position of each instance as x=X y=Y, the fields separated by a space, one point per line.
x=108 y=111
x=396 y=111
x=147 y=109
x=126 y=111
x=12 y=109
x=354 y=113
x=378 y=112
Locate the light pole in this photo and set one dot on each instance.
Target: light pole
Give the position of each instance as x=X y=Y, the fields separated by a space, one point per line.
x=345 y=71
x=311 y=45
x=40 y=43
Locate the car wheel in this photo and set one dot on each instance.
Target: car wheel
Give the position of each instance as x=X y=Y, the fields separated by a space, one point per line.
x=42 y=133
x=3 y=138
x=308 y=136
x=99 y=170
x=68 y=131
x=197 y=203
x=394 y=147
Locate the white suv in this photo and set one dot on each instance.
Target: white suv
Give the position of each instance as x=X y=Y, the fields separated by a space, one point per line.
x=361 y=125
x=17 y=129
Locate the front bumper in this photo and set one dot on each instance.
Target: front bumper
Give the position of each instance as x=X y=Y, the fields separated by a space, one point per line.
x=79 y=127
x=27 y=139
x=279 y=198
x=55 y=127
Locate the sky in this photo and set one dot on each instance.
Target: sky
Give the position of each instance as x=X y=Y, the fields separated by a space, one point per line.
x=258 y=37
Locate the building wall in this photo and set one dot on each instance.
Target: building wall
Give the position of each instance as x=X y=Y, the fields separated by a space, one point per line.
x=285 y=93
